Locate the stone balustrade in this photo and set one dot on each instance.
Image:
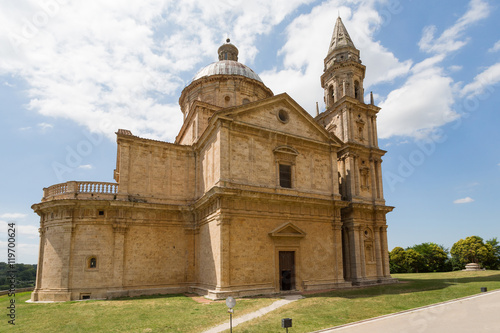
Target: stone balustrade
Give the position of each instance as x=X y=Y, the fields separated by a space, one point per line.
x=80 y=190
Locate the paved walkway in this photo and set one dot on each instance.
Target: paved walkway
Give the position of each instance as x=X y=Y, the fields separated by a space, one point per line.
x=253 y=315
x=479 y=313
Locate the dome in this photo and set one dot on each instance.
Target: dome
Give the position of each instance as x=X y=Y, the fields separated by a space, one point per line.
x=227 y=67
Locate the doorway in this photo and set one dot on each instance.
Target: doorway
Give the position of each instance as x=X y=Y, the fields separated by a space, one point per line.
x=287 y=270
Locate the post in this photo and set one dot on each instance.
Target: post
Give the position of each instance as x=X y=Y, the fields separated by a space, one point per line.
x=230 y=302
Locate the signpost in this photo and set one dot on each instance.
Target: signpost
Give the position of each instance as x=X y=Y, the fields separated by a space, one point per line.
x=230 y=302
x=286 y=322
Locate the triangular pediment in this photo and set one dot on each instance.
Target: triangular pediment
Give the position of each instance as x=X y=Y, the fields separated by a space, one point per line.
x=287 y=230
x=279 y=113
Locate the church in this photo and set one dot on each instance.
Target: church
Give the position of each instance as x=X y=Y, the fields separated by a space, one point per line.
x=254 y=197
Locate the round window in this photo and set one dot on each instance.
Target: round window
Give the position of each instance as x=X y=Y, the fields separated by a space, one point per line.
x=283 y=116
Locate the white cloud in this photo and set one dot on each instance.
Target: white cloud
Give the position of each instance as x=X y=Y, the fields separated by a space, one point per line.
x=85 y=166
x=482 y=82
x=28 y=230
x=451 y=39
x=45 y=127
x=464 y=200
x=495 y=47
x=421 y=105
x=302 y=68
x=22 y=229
x=12 y=216
x=425 y=101
x=26 y=252
x=26 y=243
x=108 y=66
x=455 y=68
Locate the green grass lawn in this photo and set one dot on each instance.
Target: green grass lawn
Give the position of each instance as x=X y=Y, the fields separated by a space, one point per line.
x=170 y=313
x=178 y=313
x=335 y=308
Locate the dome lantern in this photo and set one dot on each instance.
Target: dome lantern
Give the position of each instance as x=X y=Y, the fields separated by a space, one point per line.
x=228 y=51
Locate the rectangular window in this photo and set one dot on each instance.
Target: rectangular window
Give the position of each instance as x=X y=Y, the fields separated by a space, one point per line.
x=285 y=175
x=84 y=296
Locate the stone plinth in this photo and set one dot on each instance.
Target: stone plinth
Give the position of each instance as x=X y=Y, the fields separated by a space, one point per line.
x=472 y=267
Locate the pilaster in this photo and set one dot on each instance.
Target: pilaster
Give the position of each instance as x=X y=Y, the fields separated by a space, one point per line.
x=385 y=252
x=337 y=251
x=374 y=179
x=39 y=267
x=354 y=237
x=362 y=259
x=223 y=279
x=379 y=178
x=119 y=231
x=378 y=253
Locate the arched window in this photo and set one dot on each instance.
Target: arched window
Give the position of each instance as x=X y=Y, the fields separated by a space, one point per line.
x=356 y=90
x=331 y=96
x=92 y=262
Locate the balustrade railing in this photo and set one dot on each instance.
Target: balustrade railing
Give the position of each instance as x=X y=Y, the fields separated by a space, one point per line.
x=97 y=187
x=73 y=188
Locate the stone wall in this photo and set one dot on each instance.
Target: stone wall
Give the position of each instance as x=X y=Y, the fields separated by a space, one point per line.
x=154 y=171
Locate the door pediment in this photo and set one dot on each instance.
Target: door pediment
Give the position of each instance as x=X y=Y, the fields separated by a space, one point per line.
x=287 y=230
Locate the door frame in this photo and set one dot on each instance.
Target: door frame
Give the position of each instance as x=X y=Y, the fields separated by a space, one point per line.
x=298 y=280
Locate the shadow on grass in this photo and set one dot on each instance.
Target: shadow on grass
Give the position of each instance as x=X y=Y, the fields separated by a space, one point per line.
x=408 y=285
x=155 y=296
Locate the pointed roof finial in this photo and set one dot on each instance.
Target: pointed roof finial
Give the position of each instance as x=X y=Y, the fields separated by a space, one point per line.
x=340 y=37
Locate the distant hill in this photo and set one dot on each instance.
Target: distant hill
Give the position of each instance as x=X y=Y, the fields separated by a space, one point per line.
x=25 y=275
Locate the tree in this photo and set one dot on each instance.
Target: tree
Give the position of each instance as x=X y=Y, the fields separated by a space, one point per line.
x=472 y=250
x=397 y=260
x=405 y=261
x=434 y=256
x=414 y=261
x=494 y=263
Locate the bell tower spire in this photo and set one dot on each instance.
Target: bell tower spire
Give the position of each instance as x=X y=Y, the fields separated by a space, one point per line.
x=343 y=73
x=340 y=37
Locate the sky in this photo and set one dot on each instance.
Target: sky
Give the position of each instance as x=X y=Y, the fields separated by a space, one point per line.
x=73 y=72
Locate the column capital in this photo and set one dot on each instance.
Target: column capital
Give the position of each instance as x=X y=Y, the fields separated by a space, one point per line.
x=223 y=221
x=336 y=226
x=358 y=227
x=120 y=228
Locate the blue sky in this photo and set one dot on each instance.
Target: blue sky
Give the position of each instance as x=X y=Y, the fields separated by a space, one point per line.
x=72 y=73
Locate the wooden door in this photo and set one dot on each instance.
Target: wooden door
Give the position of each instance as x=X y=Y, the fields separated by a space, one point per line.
x=287 y=270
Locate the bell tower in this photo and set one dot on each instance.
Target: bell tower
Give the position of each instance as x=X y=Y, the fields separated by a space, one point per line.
x=349 y=118
x=343 y=73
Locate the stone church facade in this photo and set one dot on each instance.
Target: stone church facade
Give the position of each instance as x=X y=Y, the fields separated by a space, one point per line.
x=255 y=196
